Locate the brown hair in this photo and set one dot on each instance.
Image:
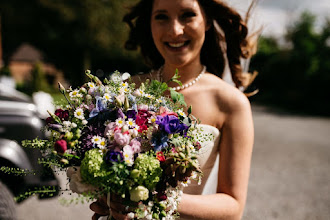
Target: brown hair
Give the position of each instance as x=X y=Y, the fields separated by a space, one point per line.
x=212 y=54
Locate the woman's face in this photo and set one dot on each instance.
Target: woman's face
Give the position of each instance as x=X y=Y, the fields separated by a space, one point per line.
x=178 y=30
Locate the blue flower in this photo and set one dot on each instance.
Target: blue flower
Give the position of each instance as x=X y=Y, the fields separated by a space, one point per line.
x=159 y=141
x=101 y=105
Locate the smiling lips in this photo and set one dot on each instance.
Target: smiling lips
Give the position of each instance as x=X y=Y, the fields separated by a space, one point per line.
x=177 y=46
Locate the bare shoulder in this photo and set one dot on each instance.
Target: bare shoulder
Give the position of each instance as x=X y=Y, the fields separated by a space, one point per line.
x=228 y=98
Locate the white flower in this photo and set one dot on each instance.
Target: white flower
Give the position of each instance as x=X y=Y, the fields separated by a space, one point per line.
x=180 y=112
x=159 y=101
x=79 y=113
x=120 y=122
x=138 y=93
x=91 y=85
x=73 y=125
x=124 y=84
x=152 y=119
x=75 y=94
x=96 y=139
x=128 y=154
x=67 y=123
x=125 y=76
x=139 y=193
x=130 y=122
x=102 y=144
x=149 y=96
x=130 y=215
x=107 y=97
x=84 y=122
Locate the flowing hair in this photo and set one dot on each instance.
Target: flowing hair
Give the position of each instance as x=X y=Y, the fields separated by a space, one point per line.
x=225 y=39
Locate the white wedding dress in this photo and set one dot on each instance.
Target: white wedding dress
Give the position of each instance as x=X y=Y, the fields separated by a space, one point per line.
x=209 y=161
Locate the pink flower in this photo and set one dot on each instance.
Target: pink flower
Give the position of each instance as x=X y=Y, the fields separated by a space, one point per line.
x=164 y=111
x=60 y=146
x=91 y=91
x=121 y=139
x=142 y=107
x=110 y=127
x=136 y=145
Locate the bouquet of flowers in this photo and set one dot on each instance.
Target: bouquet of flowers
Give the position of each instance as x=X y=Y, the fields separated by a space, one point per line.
x=111 y=137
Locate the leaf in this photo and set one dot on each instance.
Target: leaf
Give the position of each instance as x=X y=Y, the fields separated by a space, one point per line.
x=177 y=97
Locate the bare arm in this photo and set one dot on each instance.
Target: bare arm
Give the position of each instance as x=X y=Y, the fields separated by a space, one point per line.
x=235 y=155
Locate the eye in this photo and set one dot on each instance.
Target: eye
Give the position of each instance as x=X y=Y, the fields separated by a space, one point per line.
x=161 y=17
x=188 y=14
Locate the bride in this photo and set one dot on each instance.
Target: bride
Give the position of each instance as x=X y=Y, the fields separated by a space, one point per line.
x=185 y=35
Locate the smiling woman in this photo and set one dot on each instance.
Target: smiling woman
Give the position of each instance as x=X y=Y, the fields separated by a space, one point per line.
x=196 y=37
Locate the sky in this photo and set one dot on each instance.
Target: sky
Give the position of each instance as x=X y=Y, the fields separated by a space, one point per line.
x=276 y=15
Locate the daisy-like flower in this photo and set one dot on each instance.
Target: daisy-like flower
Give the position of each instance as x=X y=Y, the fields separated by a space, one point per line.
x=124 y=84
x=102 y=144
x=91 y=85
x=149 y=96
x=96 y=139
x=107 y=96
x=159 y=101
x=152 y=119
x=120 y=122
x=180 y=112
x=128 y=154
x=75 y=94
x=79 y=113
x=130 y=122
x=138 y=93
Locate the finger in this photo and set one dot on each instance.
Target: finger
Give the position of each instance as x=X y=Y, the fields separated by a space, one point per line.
x=96 y=216
x=99 y=208
x=118 y=216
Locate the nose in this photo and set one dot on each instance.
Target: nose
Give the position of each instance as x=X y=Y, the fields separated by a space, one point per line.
x=176 y=28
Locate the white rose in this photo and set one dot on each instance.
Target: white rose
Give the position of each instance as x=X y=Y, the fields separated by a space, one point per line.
x=139 y=193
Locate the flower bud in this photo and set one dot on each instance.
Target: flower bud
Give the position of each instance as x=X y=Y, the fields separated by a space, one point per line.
x=68 y=136
x=118 y=102
x=135 y=173
x=61 y=88
x=64 y=161
x=126 y=103
x=60 y=146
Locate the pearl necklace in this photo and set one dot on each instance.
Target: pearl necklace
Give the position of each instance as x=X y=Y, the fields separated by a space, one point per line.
x=159 y=73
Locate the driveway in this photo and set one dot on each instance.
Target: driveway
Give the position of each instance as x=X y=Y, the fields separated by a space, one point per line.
x=290 y=175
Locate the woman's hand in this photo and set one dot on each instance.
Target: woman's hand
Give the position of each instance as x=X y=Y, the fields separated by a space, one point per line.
x=118 y=209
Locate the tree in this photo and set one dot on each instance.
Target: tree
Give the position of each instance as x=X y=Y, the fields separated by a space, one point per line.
x=75 y=35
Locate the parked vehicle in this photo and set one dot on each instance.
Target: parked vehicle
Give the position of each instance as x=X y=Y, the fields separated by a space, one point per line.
x=19 y=120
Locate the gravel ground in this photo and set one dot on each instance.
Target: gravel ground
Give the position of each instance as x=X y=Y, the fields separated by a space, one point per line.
x=289 y=180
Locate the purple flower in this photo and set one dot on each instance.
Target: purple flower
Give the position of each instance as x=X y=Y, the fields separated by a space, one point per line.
x=131 y=114
x=113 y=156
x=171 y=124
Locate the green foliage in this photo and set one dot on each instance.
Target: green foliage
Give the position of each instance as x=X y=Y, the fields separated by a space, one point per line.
x=296 y=77
x=16 y=171
x=46 y=191
x=147 y=171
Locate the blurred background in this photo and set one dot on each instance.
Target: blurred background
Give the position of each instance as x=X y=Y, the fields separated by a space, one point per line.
x=57 y=40
x=43 y=42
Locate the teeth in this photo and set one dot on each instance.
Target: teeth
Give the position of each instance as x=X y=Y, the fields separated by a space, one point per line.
x=176 y=44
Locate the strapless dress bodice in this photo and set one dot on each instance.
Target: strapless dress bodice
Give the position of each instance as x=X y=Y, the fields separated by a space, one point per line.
x=209 y=162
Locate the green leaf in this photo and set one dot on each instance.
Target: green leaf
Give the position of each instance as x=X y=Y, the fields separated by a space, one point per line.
x=189 y=110
x=177 y=97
